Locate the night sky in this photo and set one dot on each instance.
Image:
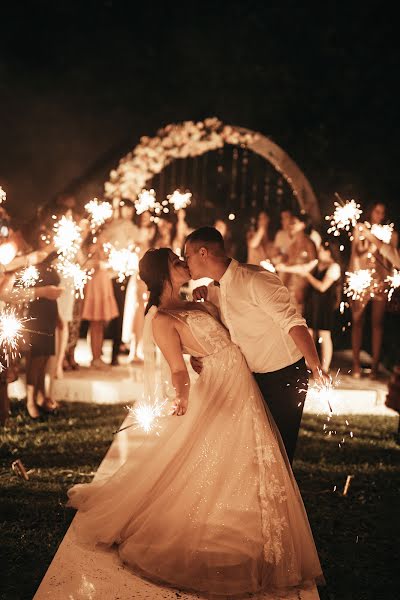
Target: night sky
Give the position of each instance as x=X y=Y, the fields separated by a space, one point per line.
x=81 y=81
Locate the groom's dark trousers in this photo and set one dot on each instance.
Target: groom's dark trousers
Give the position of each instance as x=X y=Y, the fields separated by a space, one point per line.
x=284 y=393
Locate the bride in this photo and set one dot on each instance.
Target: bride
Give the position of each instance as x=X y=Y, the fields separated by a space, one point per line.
x=210 y=504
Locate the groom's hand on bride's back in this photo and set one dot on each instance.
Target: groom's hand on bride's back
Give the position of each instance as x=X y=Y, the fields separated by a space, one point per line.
x=200 y=293
x=197 y=364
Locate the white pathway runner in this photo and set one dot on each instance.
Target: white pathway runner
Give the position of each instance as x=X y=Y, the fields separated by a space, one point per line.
x=77 y=573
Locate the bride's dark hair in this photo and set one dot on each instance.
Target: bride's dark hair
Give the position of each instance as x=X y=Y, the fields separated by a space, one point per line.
x=154 y=271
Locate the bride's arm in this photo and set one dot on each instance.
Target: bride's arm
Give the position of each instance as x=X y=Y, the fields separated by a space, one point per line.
x=167 y=339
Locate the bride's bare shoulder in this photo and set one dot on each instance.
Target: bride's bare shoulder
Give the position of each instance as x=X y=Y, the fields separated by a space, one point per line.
x=163 y=320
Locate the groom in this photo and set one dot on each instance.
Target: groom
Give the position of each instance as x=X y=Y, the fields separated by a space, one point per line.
x=255 y=307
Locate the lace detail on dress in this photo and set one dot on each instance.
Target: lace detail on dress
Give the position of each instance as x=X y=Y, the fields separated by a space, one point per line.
x=209 y=333
x=271 y=493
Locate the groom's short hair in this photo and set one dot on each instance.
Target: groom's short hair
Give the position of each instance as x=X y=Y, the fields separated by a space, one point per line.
x=209 y=237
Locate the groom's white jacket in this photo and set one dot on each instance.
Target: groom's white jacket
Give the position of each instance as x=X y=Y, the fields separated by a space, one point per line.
x=256 y=308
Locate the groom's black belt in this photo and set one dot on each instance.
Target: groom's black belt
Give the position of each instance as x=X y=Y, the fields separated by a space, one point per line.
x=300 y=364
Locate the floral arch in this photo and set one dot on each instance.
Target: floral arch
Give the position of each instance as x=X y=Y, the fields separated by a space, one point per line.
x=193 y=139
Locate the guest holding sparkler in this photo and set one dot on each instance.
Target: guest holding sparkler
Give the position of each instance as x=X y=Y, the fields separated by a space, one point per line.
x=259 y=245
x=122 y=234
x=99 y=305
x=43 y=313
x=283 y=237
x=136 y=291
x=301 y=251
x=323 y=299
x=365 y=256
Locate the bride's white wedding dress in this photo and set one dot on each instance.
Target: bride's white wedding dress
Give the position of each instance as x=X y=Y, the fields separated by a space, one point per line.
x=210 y=503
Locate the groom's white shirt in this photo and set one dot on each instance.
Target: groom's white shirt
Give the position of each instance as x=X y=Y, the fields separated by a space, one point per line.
x=256 y=309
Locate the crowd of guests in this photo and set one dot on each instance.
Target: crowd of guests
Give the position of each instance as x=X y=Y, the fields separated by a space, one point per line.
x=308 y=262
x=312 y=267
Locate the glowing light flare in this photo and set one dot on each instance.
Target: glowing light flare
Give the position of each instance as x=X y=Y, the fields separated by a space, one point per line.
x=67 y=237
x=78 y=276
x=359 y=283
x=393 y=281
x=7 y=252
x=268 y=266
x=11 y=333
x=345 y=216
x=125 y=262
x=3 y=195
x=179 y=200
x=99 y=212
x=146 y=200
x=323 y=390
x=383 y=232
x=28 y=277
x=146 y=415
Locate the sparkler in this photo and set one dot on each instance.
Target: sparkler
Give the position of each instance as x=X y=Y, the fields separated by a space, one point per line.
x=324 y=390
x=67 y=237
x=7 y=253
x=393 y=281
x=383 y=232
x=345 y=216
x=179 y=200
x=358 y=283
x=125 y=262
x=3 y=195
x=146 y=415
x=79 y=276
x=11 y=332
x=268 y=266
x=146 y=200
x=99 y=213
x=28 y=277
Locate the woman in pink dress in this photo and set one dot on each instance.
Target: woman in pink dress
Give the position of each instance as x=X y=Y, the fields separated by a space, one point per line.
x=99 y=304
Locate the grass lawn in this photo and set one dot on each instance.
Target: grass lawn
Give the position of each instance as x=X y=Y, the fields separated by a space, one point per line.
x=357 y=535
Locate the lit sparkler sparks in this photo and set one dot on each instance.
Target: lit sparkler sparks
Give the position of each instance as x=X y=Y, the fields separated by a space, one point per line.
x=324 y=390
x=146 y=415
x=7 y=252
x=67 y=237
x=28 y=277
x=383 y=232
x=358 y=283
x=393 y=281
x=268 y=266
x=179 y=200
x=77 y=274
x=11 y=333
x=125 y=262
x=3 y=195
x=345 y=216
x=146 y=200
x=99 y=213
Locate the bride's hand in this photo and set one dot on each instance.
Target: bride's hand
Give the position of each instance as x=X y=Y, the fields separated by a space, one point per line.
x=200 y=293
x=180 y=407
